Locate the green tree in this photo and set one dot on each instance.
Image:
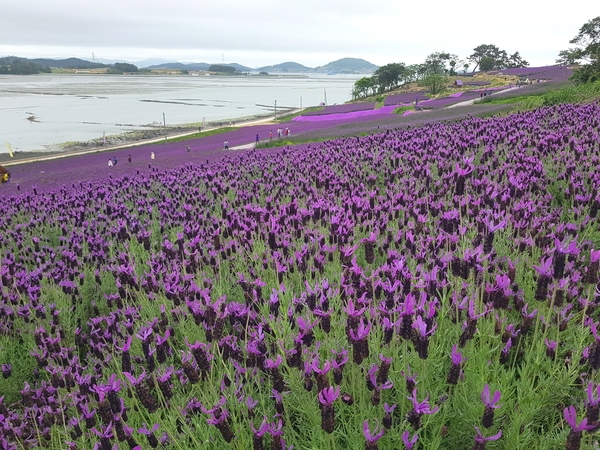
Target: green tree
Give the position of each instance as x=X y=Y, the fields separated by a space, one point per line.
x=588 y=49
x=515 y=60
x=482 y=51
x=568 y=57
x=363 y=87
x=20 y=66
x=436 y=63
x=390 y=76
x=416 y=72
x=435 y=82
x=487 y=63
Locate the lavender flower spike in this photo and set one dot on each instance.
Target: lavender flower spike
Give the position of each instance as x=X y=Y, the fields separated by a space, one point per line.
x=328 y=395
x=409 y=443
x=480 y=439
x=592 y=402
x=372 y=439
x=571 y=417
x=574 y=437
x=490 y=404
x=485 y=397
x=456 y=357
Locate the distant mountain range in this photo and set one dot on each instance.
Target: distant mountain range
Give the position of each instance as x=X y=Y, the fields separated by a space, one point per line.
x=344 y=65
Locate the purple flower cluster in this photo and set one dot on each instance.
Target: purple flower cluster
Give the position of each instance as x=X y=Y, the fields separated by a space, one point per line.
x=345 y=108
x=360 y=114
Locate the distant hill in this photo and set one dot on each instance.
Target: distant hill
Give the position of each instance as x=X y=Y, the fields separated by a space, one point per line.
x=348 y=65
x=69 y=63
x=196 y=66
x=293 y=67
x=179 y=66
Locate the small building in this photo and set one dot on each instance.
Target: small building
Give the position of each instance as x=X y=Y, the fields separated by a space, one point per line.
x=458 y=83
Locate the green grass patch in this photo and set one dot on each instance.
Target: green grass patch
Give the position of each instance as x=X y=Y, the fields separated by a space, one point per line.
x=402 y=109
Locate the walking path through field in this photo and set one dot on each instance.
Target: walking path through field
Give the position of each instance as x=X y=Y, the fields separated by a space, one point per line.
x=145 y=142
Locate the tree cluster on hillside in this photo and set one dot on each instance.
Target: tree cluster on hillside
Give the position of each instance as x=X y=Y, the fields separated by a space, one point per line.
x=123 y=68
x=490 y=57
x=68 y=63
x=222 y=68
x=433 y=72
x=587 y=49
x=20 y=66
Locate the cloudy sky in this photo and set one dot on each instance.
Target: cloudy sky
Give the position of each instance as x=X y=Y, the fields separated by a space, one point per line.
x=264 y=32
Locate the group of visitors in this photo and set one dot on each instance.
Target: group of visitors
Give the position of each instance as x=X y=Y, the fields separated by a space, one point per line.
x=281 y=132
x=113 y=161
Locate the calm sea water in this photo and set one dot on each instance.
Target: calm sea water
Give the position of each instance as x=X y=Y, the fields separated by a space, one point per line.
x=40 y=111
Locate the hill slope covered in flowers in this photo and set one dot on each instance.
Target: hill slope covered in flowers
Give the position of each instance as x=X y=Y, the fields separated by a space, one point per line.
x=430 y=287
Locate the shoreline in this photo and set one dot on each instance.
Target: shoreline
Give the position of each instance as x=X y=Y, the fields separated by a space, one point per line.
x=136 y=139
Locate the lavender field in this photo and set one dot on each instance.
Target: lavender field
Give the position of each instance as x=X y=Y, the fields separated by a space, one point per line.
x=430 y=287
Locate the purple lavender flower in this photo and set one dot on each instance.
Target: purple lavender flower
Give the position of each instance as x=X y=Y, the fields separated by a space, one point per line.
x=372 y=437
x=545 y=275
x=326 y=398
x=455 y=370
x=388 y=410
x=550 y=347
x=490 y=405
x=149 y=433
x=321 y=374
x=574 y=437
x=419 y=409
x=592 y=402
x=6 y=370
x=220 y=418
x=257 y=433
x=341 y=358
x=481 y=440
x=409 y=443
x=328 y=395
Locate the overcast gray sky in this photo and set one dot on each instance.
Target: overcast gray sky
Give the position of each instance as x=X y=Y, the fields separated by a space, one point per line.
x=264 y=32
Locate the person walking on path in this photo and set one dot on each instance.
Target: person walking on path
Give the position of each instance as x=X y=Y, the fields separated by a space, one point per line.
x=152 y=155
x=188 y=149
x=270 y=135
x=110 y=162
x=226 y=144
x=257 y=139
x=129 y=158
